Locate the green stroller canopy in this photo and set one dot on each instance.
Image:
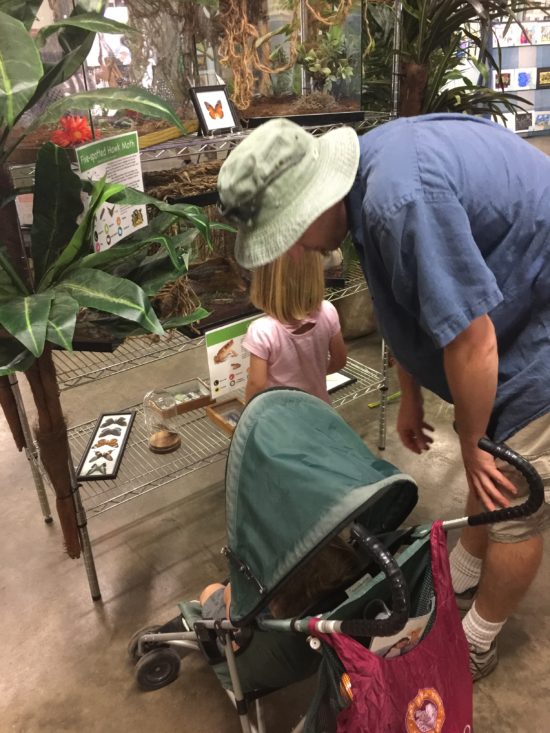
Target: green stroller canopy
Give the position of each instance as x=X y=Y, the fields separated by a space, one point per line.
x=297 y=474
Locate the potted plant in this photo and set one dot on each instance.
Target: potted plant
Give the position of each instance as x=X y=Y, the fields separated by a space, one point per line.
x=39 y=304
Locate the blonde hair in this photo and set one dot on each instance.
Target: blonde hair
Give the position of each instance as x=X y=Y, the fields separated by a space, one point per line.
x=289 y=289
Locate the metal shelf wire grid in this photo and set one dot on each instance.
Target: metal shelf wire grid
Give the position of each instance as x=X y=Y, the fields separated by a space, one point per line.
x=81 y=367
x=141 y=471
x=75 y=368
x=202 y=444
x=355 y=283
x=368 y=380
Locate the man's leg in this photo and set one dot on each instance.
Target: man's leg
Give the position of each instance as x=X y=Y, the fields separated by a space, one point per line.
x=508 y=571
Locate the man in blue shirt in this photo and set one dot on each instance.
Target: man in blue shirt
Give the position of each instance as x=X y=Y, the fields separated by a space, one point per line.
x=450 y=217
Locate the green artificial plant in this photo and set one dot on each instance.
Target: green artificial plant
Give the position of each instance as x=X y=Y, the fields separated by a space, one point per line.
x=42 y=297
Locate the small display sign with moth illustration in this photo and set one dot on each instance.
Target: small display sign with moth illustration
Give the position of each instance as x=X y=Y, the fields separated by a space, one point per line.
x=116 y=159
x=101 y=459
x=214 y=110
x=228 y=361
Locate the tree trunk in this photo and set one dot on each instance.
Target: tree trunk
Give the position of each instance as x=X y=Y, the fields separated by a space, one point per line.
x=53 y=442
x=51 y=432
x=414 y=79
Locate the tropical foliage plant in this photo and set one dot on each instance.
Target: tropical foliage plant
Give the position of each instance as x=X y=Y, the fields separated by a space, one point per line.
x=41 y=296
x=437 y=38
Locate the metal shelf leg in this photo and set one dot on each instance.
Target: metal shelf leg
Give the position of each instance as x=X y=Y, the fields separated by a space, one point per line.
x=30 y=452
x=383 y=397
x=85 y=544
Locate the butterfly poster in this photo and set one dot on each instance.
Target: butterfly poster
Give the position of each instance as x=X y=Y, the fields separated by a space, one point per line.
x=215 y=113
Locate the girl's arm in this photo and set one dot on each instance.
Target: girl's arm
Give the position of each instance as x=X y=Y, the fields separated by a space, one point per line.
x=338 y=353
x=257 y=376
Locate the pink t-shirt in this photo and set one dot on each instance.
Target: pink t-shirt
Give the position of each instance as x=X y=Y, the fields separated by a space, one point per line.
x=295 y=359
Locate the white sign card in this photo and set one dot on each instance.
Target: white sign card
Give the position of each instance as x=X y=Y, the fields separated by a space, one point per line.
x=117 y=159
x=228 y=361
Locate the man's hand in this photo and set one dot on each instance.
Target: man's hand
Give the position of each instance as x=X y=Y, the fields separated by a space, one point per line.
x=411 y=428
x=485 y=479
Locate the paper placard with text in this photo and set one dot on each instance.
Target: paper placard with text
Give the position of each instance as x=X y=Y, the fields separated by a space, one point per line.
x=117 y=159
x=228 y=361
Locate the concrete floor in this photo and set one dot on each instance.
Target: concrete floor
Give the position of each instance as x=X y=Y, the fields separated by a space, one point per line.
x=63 y=665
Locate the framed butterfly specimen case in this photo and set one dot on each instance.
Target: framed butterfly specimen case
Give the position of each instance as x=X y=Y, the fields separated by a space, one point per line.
x=214 y=110
x=101 y=459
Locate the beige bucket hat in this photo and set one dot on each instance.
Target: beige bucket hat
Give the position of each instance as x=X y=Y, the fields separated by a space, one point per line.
x=279 y=180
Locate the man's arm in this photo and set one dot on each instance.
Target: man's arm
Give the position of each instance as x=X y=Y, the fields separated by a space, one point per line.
x=411 y=428
x=471 y=368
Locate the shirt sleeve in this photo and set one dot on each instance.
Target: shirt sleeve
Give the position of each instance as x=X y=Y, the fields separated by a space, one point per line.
x=257 y=340
x=333 y=320
x=434 y=267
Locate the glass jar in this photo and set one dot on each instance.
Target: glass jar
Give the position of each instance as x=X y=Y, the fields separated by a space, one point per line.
x=159 y=410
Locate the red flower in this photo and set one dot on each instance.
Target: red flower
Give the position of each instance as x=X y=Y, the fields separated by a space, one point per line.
x=74 y=131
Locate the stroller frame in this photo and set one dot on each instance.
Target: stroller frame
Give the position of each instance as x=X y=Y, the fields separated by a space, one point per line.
x=155 y=652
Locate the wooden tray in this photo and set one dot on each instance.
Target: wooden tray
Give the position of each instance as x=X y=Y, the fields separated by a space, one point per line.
x=220 y=413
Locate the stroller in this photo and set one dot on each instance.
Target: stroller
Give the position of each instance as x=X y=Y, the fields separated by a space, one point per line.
x=297 y=475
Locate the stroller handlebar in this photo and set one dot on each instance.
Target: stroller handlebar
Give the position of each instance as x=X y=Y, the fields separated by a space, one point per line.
x=534 y=481
x=399 y=598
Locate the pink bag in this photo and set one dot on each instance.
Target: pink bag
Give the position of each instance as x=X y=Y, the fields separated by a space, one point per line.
x=427 y=690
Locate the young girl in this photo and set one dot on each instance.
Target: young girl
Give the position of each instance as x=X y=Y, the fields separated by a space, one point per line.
x=299 y=341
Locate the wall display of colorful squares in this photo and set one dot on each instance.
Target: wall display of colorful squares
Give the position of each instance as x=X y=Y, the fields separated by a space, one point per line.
x=525 y=63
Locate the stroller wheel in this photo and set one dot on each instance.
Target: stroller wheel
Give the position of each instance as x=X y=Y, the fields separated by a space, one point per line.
x=133 y=643
x=157 y=668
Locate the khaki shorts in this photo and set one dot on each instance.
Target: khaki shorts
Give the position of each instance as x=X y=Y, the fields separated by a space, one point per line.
x=533 y=443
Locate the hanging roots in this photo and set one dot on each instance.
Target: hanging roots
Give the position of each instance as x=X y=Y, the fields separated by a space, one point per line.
x=337 y=17
x=176 y=298
x=240 y=46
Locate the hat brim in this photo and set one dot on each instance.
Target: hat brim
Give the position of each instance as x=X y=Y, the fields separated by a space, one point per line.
x=334 y=176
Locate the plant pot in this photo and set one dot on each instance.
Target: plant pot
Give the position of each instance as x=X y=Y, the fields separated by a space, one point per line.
x=356 y=314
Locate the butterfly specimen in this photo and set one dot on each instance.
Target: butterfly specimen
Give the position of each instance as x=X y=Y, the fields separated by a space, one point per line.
x=109 y=431
x=216 y=112
x=112 y=443
x=103 y=454
x=97 y=468
x=111 y=421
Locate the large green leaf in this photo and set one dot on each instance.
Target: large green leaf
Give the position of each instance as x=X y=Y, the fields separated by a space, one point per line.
x=56 y=206
x=23 y=10
x=13 y=357
x=104 y=292
x=175 y=247
x=26 y=319
x=193 y=214
x=178 y=321
x=91 y=22
x=20 y=68
x=62 y=320
x=134 y=98
x=81 y=237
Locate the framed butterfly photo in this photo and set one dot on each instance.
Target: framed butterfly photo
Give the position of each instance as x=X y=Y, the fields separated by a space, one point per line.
x=215 y=112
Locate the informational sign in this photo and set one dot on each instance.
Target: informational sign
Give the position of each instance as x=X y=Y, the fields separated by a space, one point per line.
x=117 y=159
x=228 y=361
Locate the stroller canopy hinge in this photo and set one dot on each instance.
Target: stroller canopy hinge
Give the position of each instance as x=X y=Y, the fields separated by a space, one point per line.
x=243 y=568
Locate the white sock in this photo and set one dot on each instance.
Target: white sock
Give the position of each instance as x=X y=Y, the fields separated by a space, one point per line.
x=465 y=568
x=480 y=633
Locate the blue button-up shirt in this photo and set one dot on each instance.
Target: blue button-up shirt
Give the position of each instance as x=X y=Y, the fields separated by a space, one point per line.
x=450 y=215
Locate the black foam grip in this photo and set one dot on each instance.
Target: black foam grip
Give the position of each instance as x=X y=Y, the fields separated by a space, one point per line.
x=399 y=603
x=536 y=487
